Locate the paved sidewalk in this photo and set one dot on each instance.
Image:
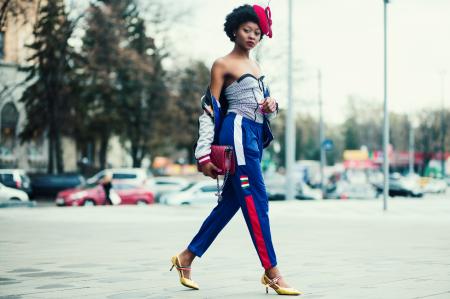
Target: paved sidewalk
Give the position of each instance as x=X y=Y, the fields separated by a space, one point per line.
x=327 y=249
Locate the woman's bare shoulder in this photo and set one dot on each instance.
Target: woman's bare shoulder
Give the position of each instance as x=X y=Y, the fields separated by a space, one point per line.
x=222 y=62
x=221 y=66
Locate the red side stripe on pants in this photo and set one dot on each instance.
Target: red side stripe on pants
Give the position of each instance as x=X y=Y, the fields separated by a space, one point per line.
x=257 y=232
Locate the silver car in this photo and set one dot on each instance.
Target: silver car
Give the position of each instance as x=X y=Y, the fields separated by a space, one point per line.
x=203 y=192
x=7 y=193
x=166 y=184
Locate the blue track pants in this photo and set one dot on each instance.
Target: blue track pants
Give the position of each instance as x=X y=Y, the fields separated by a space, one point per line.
x=245 y=189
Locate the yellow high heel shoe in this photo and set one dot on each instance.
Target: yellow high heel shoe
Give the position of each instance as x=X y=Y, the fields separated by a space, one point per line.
x=265 y=280
x=183 y=280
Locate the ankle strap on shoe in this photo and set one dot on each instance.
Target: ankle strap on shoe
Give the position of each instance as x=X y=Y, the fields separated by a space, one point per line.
x=184 y=268
x=274 y=281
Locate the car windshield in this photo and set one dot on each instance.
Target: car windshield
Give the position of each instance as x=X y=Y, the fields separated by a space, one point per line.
x=123 y=186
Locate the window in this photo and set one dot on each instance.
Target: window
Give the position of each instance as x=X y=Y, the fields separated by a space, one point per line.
x=123 y=187
x=24 y=179
x=6 y=177
x=2 y=44
x=9 y=120
x=121 y=176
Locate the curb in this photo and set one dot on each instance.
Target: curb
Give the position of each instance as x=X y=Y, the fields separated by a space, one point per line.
x=17 y=204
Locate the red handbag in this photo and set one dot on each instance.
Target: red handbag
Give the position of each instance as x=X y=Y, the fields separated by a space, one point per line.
x=222 y=156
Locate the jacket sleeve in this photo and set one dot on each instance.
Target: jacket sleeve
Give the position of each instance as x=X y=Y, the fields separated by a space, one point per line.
x=205 y=138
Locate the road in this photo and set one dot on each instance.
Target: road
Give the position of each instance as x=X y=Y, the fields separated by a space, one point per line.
x=327 y=249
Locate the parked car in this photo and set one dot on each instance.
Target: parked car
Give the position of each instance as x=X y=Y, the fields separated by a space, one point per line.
x=7 y=193
x=345 y=190
x=402 y=186
x=48 y=185
x=94 y=194
x=303 y=191
x=15 y=178
x=435 y=186
x=166 y=184
x=136 y=176
x=203 y=192
x=306 y=192
x=276 y=188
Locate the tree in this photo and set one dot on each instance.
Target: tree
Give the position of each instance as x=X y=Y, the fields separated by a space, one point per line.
x=126 y=91
x=47 y=94
x=101 y=52
x=186 y=105
x=399 y=131
x=428 y=133
x=307 y=137
x=351 y=134
x=143 y=91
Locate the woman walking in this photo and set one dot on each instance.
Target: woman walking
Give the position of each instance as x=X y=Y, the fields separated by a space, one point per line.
x=106 y=183
x=237 y=110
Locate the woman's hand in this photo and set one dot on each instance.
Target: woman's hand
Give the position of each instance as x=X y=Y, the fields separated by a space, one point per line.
x=269 y=105
x=209 y=169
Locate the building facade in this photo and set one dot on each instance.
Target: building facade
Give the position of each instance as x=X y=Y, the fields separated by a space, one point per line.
x=17 y=33
x=32 y=156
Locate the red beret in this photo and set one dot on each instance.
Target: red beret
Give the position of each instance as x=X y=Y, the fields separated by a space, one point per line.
x=265 y=19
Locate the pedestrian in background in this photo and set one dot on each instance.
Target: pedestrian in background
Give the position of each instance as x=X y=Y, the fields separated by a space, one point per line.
x=242 y=121
x=106 y=183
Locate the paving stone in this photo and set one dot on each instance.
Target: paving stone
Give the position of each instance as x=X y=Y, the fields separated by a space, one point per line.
x=327 y=249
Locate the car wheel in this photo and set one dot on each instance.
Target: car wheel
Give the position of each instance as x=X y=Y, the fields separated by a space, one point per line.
x=15 y=198
x=185 y=203
x=89 y=203
x=141 y=202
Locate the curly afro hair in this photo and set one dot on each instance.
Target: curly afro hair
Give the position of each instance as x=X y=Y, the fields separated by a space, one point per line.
x=238 y=16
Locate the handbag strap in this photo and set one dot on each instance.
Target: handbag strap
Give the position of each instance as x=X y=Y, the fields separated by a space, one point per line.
x=228 y=153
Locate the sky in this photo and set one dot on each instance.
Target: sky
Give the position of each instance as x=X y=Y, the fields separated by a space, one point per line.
x=344 y=39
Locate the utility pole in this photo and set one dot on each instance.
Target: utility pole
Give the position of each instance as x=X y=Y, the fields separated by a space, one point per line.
x=290 y=119
x=386 y=118
x=411 y=148
x=321 y=133
x=443 y=124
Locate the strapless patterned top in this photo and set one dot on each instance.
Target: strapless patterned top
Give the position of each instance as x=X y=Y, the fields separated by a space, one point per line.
x=243 y=96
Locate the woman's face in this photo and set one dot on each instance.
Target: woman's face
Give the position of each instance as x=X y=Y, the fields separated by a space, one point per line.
x=248 y=35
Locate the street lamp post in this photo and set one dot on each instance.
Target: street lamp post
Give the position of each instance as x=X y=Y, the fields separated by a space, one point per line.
x=321 y=134
x=386 y=118
x=411 y=149
x=413 y=123
x=290 y=120
x=443 y=124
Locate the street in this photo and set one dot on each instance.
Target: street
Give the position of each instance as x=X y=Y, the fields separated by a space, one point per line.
x=326 y=249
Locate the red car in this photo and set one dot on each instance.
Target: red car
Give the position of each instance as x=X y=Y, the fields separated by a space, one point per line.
x=92 y=195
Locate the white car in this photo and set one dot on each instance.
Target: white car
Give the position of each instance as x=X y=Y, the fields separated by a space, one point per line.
x=166 y=184
x=306 y=192
x=15 y=178
x=136 y=176
x=435 y=186
x=203 y=192
x=7 y=193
